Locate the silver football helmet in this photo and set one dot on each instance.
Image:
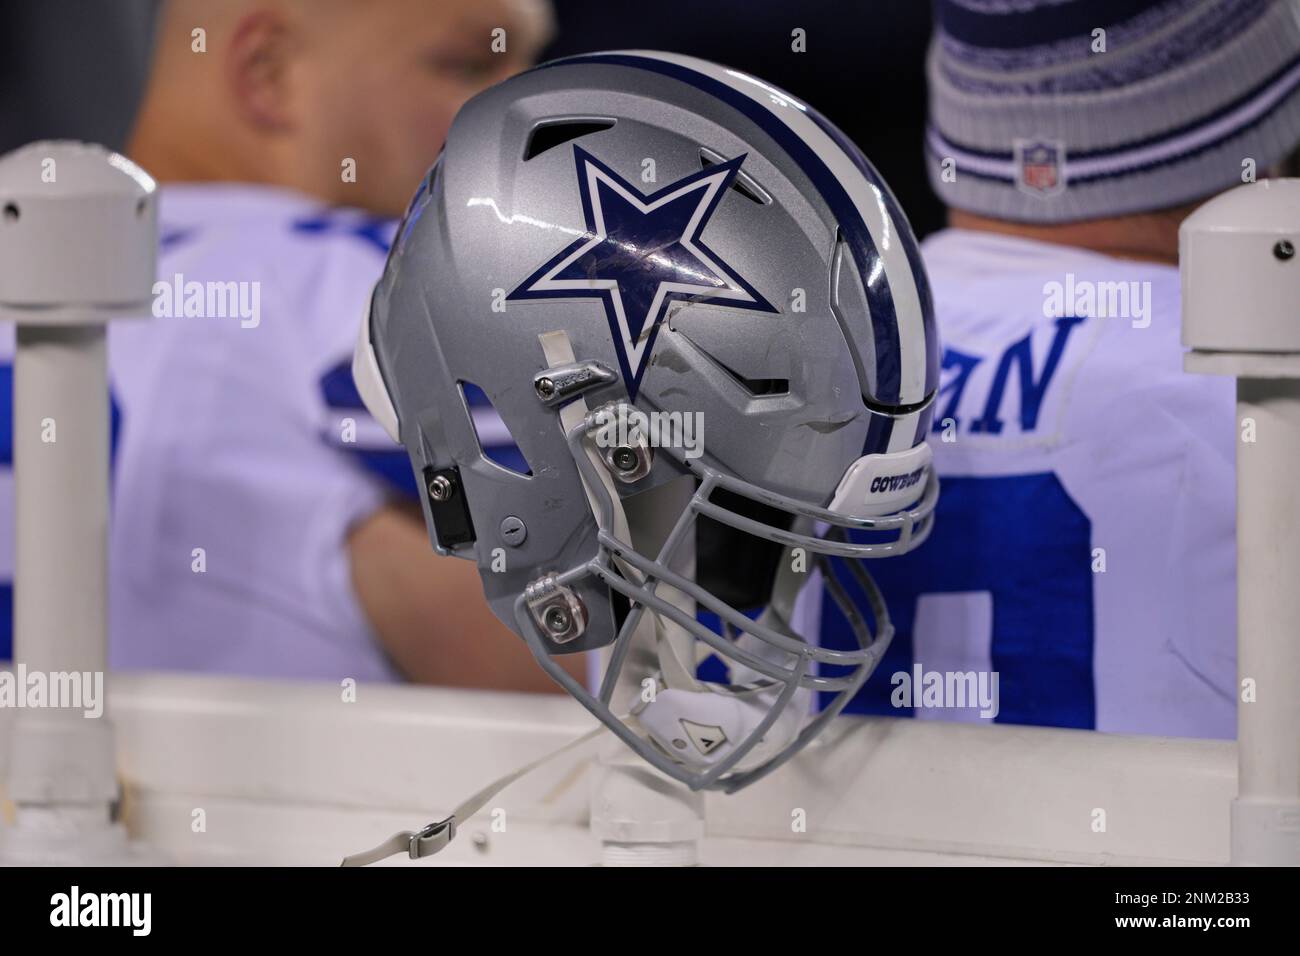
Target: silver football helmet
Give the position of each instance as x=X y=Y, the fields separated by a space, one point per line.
x=703 y=321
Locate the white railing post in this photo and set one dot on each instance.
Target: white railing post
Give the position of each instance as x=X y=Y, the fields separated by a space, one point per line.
x=78 y=240
x=1240 y=261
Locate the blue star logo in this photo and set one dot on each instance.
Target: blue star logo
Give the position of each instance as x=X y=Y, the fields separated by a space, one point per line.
x=640 y=252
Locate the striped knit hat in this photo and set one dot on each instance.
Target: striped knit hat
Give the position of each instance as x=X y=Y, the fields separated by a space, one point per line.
x=1060 y=110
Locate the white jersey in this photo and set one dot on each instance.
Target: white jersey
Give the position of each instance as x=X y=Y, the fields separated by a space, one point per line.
x=1084 y=542
x=240 y=464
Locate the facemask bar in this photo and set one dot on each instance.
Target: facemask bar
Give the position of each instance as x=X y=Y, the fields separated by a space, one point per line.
x=913 y=525
x=637 y=577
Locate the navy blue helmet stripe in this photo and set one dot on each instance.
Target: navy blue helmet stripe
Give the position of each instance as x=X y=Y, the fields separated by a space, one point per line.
x=857 y=236
x=924 y=424
x=880 y=429
x=905 y=236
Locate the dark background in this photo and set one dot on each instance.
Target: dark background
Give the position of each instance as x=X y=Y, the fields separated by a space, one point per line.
x=71 y=69
x=74 y=69
x=864 y=67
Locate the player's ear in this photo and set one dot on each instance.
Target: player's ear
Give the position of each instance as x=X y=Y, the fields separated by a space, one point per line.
x=257 y=65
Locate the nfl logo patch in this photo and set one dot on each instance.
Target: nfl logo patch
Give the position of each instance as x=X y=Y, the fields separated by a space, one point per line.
x=1040 y=166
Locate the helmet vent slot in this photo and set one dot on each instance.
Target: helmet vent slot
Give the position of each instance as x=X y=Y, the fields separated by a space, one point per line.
x=743 y=183
x=495 y=442
x=552 y=133
x=757 y=387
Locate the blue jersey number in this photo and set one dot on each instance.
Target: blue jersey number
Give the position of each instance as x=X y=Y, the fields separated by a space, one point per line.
x=1025 y=541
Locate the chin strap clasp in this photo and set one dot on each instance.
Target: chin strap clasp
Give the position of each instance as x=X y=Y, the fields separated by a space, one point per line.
x=416 y=844
x=432 y=838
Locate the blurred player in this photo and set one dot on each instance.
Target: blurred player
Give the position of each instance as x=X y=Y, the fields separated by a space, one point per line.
x=1084 y=545
x=260 y=523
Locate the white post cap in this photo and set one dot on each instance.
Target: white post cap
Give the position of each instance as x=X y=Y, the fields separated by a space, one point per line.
x=1240 y=260
x=78 y=234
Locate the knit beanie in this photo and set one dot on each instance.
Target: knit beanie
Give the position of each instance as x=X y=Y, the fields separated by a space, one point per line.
x=1050 y=111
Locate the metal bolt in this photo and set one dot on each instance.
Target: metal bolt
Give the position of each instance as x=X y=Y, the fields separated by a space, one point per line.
x=625 y=458
x=557 y=619
x=1284 y=249
x=545 y=387
x=441 y=488
x=513 y=531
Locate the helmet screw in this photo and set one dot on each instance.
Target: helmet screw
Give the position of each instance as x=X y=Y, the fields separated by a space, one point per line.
x=441 y=488
x=1284 y=249
x=625 y=458
x=557 y=619
x=513 y=531
x=545 y=387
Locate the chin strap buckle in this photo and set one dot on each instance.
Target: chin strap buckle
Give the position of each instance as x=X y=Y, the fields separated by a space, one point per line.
x=417 y=844
x=432 y=838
